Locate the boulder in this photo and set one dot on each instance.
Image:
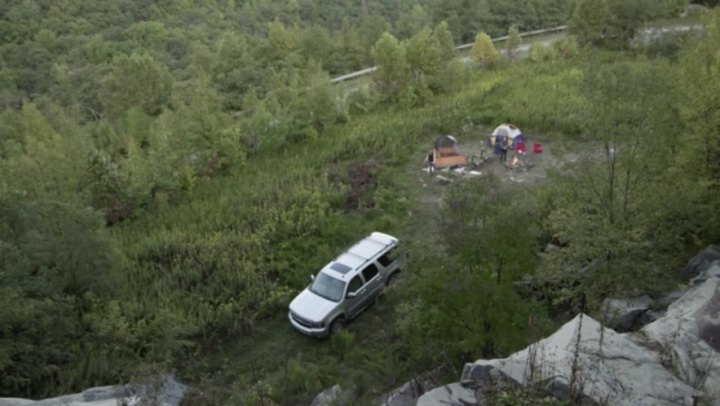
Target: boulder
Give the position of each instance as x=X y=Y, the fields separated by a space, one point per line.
x=700 y=262
x=688 y=337
x=626 y=314
x=406 y=395
x=333 y=396
x=669 y=298
x=453 y=394
x=594 y=362
x=713 y=271
x=164 y=391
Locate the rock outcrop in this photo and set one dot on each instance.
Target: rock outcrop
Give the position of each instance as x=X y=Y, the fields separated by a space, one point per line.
x=700 y=262
x=453 y=394
x=333 y=396
x=674 y=360
x=166 y=391
x=584 y=358
x=688 y=337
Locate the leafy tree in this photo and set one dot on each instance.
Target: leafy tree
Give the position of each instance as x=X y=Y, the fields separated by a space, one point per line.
x=40 y=161
x=20 y=22
x=198 y=133
x=234 y=69
x=147 y=35
x=444 y=39
x=608 y=246
x=513 y=41
x=372 y=29
x=626 y=18
x=348 y=53
x=316 y=45
x=491 y=231
x=700 y=106
x=322 y=100
x=391 y=78
x=464 y=17
x=30 y=67
x=280 y=44
x=505 y=13
x=549 y=13
x=612 y=23
x=424 y=58
x=484 y=53
x=410 y=24
x=672 y=8
x=458 y=314
x=541 y=53
x=589 y=21
x=136 y=80
x=57 y=261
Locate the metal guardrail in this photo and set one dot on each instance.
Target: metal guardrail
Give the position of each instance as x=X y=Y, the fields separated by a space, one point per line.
x=354 y=74
x=372 y=69
x=522 y=34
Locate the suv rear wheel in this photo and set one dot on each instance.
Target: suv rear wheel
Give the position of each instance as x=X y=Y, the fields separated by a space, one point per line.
x=392 y=278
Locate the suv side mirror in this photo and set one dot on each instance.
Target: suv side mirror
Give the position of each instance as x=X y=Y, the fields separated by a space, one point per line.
x=312 y=277
x=351 y=295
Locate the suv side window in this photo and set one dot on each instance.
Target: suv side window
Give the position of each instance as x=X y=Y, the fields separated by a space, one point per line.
x=355 y=284
x=387 y=258
x=369 y=272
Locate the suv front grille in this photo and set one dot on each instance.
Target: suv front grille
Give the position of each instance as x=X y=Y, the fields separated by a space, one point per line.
x=305 y=322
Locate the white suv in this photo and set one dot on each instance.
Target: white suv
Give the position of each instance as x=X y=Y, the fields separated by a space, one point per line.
x=346 y=286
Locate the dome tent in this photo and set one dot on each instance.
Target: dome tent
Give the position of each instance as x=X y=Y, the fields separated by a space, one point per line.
x=508 y=130
x=503 y=132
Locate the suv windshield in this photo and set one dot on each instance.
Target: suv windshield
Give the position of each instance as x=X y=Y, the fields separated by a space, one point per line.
x=328 y=287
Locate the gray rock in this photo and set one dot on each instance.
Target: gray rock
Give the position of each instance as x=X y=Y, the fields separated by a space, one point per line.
x=330 y=397
x=164 y=391
x=688 y=338
x=558 y=387
x=604 y=366
x=453 y=394
x=700 y=262
x=409 y=392
x=476 y=374
x=713 y=271
x=625 y=314
x=405 y=395
x=669 y=298
x=486 y=377
x=550 y=247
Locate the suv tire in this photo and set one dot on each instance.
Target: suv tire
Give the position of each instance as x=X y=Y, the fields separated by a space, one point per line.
x=392 y=278
x=337 y=325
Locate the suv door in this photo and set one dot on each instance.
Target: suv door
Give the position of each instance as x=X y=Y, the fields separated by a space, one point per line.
x=373 y=280
x=353 y=305
x=389 y=262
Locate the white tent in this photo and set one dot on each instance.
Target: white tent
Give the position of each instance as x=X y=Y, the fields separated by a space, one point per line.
x=507 y=130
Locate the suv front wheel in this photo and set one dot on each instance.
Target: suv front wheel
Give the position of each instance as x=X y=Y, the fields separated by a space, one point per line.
x=337 y=325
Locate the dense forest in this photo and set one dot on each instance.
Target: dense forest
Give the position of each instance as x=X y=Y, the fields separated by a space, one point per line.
x=171 y=172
